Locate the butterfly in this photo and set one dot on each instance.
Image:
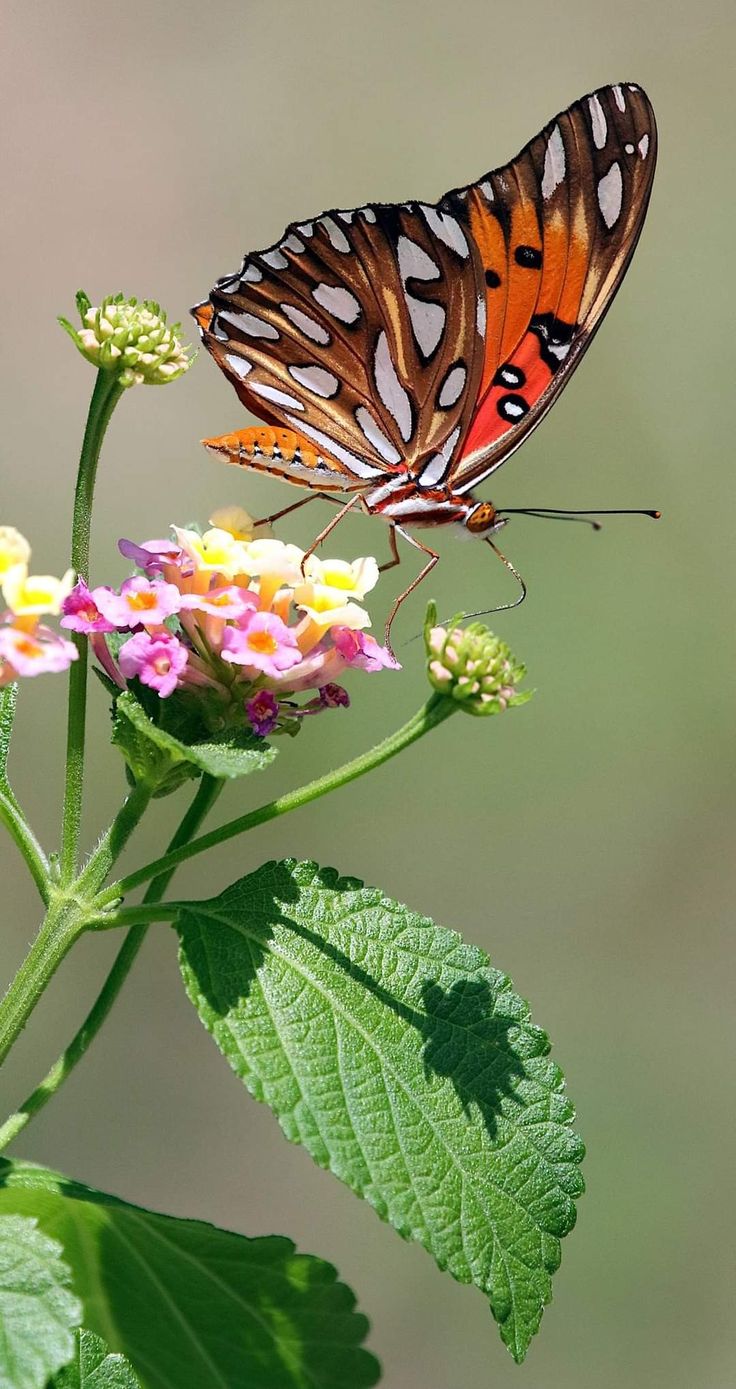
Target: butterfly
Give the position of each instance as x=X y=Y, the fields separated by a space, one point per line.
x=398 y=354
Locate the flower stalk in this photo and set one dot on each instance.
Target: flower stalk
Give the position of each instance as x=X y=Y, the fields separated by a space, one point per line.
x=207 y=792
x=105 y=396
x=434 y=712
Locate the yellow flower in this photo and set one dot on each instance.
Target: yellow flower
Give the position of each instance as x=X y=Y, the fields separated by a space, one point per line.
x=238 y=522
x=216 y=552
x=14 y=549
x=30 y=595
x=333 y=581
x=319 y=606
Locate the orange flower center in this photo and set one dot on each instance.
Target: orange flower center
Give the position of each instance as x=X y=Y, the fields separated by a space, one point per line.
x=142 y=602
x=263 y=643
x=162 y=665
x=26 y=647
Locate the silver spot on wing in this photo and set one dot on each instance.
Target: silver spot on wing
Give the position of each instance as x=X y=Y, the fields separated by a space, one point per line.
x=452 y=387
x=375 y=435
x=316 y=379
x=390 y=389
x=598 y=122
x=338 y=302
x=306 y=324
x=610 y=195
x=278 y=397
x=554 y=163
x=250 y=324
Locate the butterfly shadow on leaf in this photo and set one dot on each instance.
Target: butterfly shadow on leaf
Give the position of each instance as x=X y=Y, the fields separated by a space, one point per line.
x=470 y=1032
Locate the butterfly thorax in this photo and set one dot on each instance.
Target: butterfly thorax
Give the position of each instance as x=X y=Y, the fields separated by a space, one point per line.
x=400 y=501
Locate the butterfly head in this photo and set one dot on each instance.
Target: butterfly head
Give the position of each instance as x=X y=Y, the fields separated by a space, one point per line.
x=483 y=519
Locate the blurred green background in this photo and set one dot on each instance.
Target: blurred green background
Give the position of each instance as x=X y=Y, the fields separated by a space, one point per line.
x=586 y=841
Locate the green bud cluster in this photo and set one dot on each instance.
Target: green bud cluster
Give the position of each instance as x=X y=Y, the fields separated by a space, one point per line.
x=131 y=338
x=472 y=666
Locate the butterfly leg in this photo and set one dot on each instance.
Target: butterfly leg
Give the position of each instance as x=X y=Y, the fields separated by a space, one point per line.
x=429 y=566
x=303 y=501
x=327 y=530
x=395 y=556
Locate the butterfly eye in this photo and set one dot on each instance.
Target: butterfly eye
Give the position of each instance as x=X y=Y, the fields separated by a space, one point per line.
x=482 y=518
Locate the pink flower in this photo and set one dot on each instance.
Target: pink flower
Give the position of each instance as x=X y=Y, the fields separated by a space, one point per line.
x=263 y=642
x=152 y=555
x=229 y=603
x=263 y=712
x=360 y=650
x=35 y=653
x=81 y=613
x=141 y=602
x=157 y=660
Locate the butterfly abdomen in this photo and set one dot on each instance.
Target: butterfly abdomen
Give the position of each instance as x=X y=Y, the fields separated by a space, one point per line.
x=279 y=451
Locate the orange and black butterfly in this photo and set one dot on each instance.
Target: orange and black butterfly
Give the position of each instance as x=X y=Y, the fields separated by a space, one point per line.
x=400 y=353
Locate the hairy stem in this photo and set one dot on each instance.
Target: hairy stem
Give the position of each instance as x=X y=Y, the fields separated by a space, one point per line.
x=105 y=396
x=434 y=712
x=63 y=923
x=113 y=841
x=207 y=793
x=14 y=821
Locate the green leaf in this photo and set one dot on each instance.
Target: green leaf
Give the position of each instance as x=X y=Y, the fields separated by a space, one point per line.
x=156 y=755
x=95 y=1366
x=8 y=699
x=193 y=1306
x=404 y=1063
x=38 y=1311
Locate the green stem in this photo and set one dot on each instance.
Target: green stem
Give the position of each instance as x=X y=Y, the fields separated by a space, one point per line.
x=207 y=793
x=113 y=841
x=437 y=708
x=12 y=818
x=140 y=913
x=105 y=396
x=64 y=922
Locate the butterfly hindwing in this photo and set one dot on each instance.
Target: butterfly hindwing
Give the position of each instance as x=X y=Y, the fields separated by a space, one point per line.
x=358 y=329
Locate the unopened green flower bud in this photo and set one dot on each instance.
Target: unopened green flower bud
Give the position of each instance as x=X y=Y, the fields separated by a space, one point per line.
x=131 y=338
x=472 y=666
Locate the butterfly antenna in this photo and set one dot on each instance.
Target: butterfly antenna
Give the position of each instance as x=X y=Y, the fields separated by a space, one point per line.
x=552 y=513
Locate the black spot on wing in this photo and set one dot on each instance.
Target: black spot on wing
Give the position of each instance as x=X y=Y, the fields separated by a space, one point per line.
x=529 y=257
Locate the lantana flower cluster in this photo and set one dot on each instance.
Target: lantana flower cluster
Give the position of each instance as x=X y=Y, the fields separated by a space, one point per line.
x=237 y=618
x=28 y=646
x=472 y=666
x=131 y=338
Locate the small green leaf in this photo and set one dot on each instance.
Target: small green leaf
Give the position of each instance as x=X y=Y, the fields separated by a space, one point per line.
x=147 y=757
x=193 y=1306
x=38 y=1311
x=8 y=699
x=95 y=1366
x=155 y=754
x=403 y=1062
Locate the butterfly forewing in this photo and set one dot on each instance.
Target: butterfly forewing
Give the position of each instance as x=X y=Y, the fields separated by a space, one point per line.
x=588 y=177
